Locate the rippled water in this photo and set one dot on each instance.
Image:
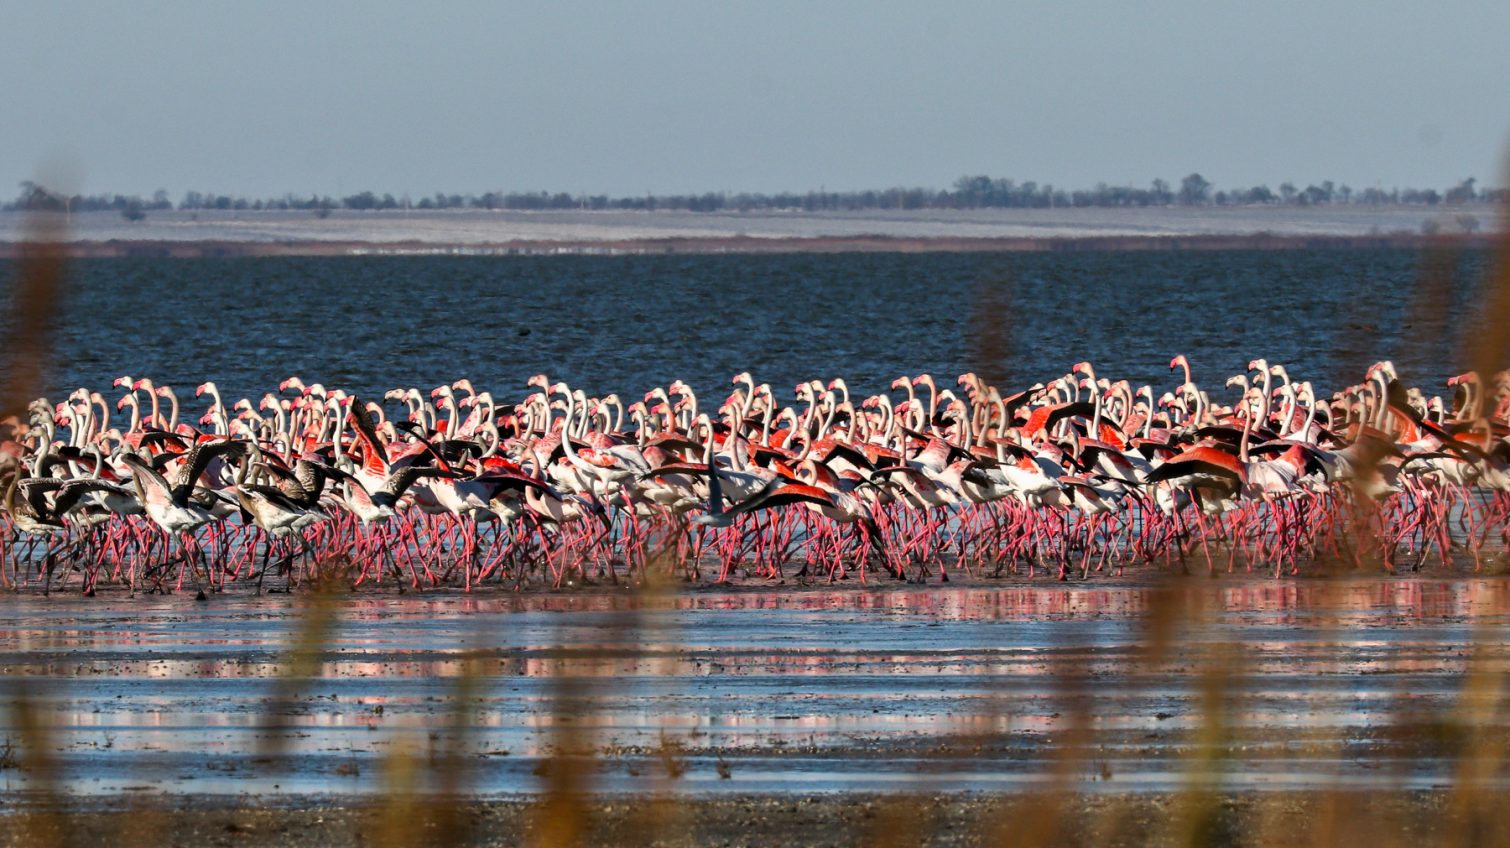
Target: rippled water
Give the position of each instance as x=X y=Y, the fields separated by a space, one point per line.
x=789 y=690
x=627 y=323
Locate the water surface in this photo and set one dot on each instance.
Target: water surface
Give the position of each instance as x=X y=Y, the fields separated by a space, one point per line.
x=783 y=690
x=627 y=323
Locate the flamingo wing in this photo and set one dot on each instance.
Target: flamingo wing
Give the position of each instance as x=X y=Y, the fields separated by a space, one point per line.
x=197 y=461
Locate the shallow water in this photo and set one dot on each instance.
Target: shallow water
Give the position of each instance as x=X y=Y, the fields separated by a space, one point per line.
x=627 y=323
x=790 y=690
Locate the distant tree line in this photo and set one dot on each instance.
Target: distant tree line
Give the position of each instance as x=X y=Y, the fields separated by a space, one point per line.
x=969 y=192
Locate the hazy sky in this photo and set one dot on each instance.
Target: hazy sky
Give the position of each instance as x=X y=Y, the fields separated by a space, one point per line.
x=626 y=97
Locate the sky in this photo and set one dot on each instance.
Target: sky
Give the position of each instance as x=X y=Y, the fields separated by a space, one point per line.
x=625 y=98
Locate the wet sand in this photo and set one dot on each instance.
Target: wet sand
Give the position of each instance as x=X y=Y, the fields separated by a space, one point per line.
x=931 y=820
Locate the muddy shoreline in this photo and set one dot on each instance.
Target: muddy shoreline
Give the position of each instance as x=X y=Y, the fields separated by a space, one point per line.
x=834 y=819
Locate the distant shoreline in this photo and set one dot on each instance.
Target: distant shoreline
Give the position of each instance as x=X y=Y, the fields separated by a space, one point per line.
x=205 y=248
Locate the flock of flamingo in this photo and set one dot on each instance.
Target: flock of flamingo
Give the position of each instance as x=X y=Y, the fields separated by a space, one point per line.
x=1071 y=476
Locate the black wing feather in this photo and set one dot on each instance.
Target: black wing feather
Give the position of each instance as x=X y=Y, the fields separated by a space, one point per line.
x=197 y=461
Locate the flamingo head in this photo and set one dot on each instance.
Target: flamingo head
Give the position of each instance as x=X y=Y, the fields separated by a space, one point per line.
x=200 y=389
x=743 y=377
x=901 y=382
x=291 y=383
x=541 y=381
x=123 y=383
x=1179 y=362
x=1259 y=365
x=125 y=400
x=207 y=418
x=464 y=385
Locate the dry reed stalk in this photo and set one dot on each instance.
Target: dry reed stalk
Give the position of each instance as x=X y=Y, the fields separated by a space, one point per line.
x=904 y=819
x=41 y=272
x=1478 y=813
x=563 y=816
x=38 y=283
x=1489 y=348
x=319 y=615
x=657 y=815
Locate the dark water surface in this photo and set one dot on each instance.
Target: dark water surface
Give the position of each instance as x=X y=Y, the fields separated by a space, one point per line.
x=626 y=323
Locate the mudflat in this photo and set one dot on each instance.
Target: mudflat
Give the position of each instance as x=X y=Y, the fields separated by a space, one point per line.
x=960 y=819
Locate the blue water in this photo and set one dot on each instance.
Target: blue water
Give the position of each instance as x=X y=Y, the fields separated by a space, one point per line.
x=628 y=323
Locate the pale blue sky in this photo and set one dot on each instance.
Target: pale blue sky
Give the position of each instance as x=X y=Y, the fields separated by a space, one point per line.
x=623 y=98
